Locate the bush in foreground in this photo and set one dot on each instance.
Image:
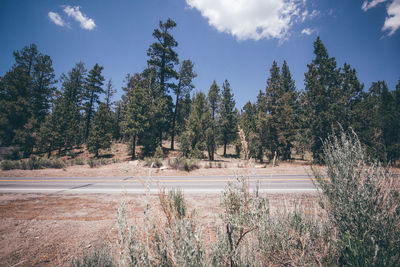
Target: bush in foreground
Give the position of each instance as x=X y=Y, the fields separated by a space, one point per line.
x=363 y=204
x=100 y=257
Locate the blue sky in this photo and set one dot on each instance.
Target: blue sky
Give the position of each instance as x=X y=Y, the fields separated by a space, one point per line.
x=226 y=39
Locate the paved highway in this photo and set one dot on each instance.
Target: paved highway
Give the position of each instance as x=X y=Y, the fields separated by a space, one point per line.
x=274 y=183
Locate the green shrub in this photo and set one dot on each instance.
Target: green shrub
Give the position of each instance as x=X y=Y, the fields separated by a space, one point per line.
x=183 y=164
x=92 y=162
x=51 y=163
x=159 y=154
x=33 y=163
x=196 y=154
x=153 y=162
x=177 y=202
x=362 y=202
x=10 y=165
x=77 y=161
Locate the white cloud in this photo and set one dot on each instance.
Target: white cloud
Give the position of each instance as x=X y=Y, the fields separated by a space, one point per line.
x=85 y=22
x=368 y=5
x=392 y=21
x=55 y=17
x=252 y=19
x=307 y=31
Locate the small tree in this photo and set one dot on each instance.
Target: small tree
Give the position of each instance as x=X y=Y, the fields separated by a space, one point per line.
x=100 y=134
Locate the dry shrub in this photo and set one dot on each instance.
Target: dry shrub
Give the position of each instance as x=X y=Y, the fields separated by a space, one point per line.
x=250 y=235
x=99 y=257
x=170 y=238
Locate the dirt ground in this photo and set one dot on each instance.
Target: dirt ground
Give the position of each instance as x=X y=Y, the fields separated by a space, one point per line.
x=52 y=229
x=127 y=167
x=136 y=168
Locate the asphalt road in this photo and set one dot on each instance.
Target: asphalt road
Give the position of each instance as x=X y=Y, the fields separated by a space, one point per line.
x=273 y=183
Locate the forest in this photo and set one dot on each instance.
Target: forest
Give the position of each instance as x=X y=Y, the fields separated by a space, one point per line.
x=41 y=114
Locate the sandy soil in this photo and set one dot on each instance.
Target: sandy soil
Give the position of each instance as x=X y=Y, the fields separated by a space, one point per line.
x=50 y=229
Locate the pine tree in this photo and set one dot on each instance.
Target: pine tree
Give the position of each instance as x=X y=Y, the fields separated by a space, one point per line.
x=117 y=117
x=287 y=113
x=184 y=87
x=162 y=61
x=93 y=88
x=273 y=95
x=26 y=92
x=350 y=98
x=14 y=104
x=100 y=133
x=258 y=138
x=109 y=92
x=322 y=90
x=214 y=100
x=162 y=54
x=136 y=117
x=197 y=126
x=396 y=124
x=228 y=120
x=70 y=105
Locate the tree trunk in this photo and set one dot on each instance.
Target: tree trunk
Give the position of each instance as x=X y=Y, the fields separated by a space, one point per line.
x=133 y=147
x=174 y=120
x=224 y=149
x=49 y=151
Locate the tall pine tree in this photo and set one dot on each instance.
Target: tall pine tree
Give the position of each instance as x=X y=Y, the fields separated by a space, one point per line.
x=162 y=59
x=322 y=90
x=214 y=99
x=228 y=118
x=93 y=89
x=26 y=92
x=136 y=117
x=184 y=87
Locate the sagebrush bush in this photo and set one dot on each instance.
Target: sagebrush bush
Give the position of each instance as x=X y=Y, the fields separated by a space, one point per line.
x=10 y=165
x=98 y=162
x=77 y=161
x=362 y=202
x=172 y=238
x=182 y=163
x=33 y=163
x=100 y=257
x=153 y=162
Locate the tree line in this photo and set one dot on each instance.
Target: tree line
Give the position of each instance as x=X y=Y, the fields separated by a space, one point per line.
x=159 y=104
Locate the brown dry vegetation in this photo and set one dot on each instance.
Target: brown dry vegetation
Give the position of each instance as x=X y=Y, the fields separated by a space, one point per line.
x=49 y=230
